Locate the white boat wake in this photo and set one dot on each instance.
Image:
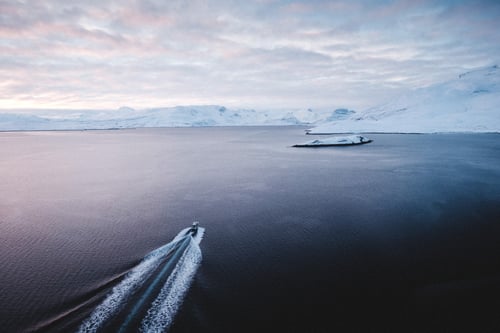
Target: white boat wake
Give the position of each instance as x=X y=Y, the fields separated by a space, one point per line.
x=160 y=315
x=174 y=265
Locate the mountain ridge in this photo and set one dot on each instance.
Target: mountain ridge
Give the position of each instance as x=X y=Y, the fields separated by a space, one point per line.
x=470 y=102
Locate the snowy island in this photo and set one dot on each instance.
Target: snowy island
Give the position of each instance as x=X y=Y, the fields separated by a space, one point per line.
x=336 y=141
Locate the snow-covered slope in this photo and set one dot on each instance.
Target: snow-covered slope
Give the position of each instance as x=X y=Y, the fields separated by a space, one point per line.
x=180 y=116
x=468 y=103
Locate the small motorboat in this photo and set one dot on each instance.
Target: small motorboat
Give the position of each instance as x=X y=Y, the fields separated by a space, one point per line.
x=194 y=228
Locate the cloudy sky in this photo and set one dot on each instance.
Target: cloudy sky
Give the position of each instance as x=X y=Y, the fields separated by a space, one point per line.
x=104 y=54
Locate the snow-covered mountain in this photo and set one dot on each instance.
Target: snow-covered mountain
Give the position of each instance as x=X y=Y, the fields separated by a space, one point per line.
x=180 y=116
x=468 y=103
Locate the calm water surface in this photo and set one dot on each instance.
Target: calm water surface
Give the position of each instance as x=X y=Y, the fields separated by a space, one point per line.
x=400 y=235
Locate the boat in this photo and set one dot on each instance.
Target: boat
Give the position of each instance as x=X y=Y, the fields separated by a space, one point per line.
x=194 y=228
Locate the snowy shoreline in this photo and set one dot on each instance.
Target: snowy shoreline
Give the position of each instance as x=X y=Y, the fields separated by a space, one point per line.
x=146 y=128
x=306 y=134
x=407 y=133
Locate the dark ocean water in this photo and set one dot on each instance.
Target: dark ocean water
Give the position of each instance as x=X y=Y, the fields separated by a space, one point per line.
x=400 y=235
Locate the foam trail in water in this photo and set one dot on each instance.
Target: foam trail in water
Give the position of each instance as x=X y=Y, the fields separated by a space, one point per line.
x=162 y=312
x=133 y=281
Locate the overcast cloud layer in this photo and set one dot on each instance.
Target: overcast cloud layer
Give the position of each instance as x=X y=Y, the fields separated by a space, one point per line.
x=263 y=53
